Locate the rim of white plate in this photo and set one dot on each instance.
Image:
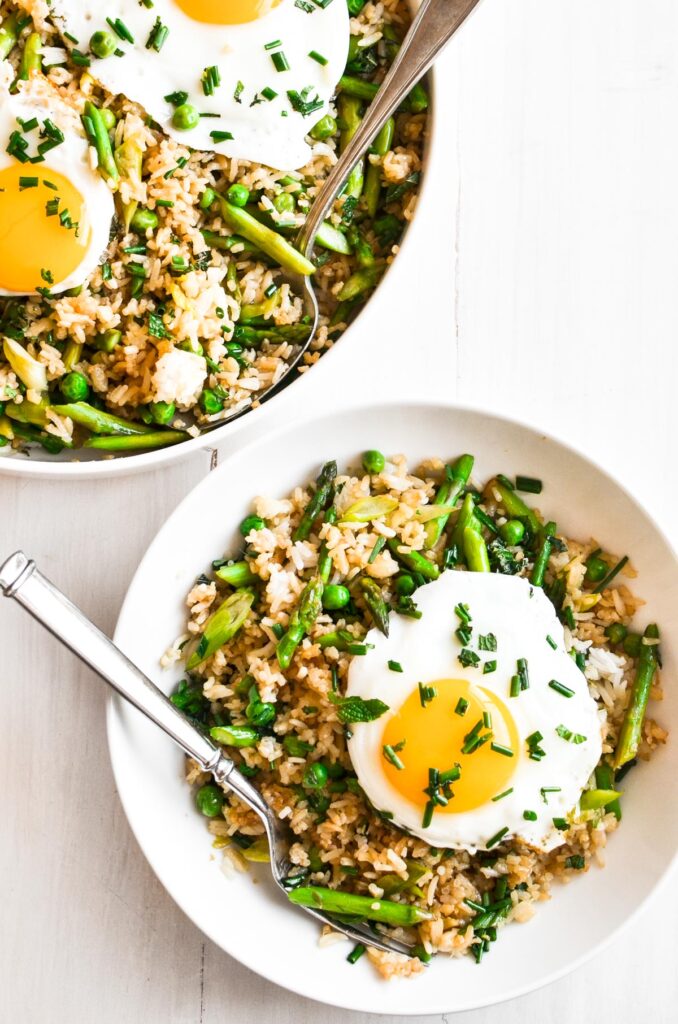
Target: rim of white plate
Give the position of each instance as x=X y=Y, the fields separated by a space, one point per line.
x=114 y=704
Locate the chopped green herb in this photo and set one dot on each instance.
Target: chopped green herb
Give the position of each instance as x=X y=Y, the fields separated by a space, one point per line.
x=426 y=694
x=487 y=642
x=560 y=688
x=496 y=839
x=530 y=815
x=488 y=667
x=500 y=796
x=462 y=706
x=395 y=666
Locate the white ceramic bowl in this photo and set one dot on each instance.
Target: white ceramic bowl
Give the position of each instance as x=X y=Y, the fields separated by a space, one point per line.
x=251 y=921
x=379 y=311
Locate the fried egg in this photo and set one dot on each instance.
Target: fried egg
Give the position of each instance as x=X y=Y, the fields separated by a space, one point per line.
x=55 y=210
x=491 y=732
x=254 y=75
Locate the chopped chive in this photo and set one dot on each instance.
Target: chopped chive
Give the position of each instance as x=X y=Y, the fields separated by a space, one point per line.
x=379 y=543
x=528 y=485
x=451 y=775
x=268 y=93
x=468 y=658
x=120 y=29
x=548 y=789
x=530 y=815
x=487 y=719
x=496 y=839
x=571 y=737
x=394 y=666
x=487 y=642
x=499 y=748
x=561 y=824
x=560 y=688
x=522 y=672
x=221 y=136
x=426 y=694
x=576 y=861
x=273 y=44
x=551 y=642
x=280 y=62
x=568 y=615
x=428 y=814
x=391 y=755
x=356 y=953
x=489 y=666
x=515 y=686
x=500 y=796
x=463 y=635
x=158 y=36
x=462 y=612
x=164 y=202
x=28 y=183
x=462 y=706
x=318 y=58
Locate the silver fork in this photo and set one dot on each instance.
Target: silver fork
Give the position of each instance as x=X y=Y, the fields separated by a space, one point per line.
x=20 y=579
x=434 y=25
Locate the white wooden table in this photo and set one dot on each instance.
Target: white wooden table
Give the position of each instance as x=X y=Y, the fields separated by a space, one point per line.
x=552 y=226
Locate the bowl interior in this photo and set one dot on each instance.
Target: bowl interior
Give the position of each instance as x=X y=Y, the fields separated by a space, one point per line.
x=242 y=914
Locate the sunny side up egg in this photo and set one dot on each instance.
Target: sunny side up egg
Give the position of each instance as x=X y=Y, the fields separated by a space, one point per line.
x=55 y=209
x=468 y=754
x=247 y=78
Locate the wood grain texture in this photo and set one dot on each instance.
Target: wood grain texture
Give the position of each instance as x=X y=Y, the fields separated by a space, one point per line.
x=551 y=218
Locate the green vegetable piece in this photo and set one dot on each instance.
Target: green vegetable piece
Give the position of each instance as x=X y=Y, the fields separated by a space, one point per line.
x=324 y=129
x=335 y=597
x=235 y=735
x=413 y=560
x=594 y=799
x=10 y=30
x=596 y=570
x=605 y=781
x=108 y=341
x=143 y=221
x=257 y=852
x=542 y=560
x=250 y=523
x=329 y=237
x=616 y=632
x=238 y=195
x=31 y=58
x=457 y=476
x=398 y=915
x=632 y=644
x=381 y=145
x=373 y=462
x=512 y=531
x=301 y=621
x=103 y=44
x=163 y=413
x=631 y=730
x=475 y=551
x=405 y=586
x=97 y=134
x=74 y=387
x=269 y=241
x=29 y=371
x=237 y=574
x=376 y=605
x=210 y=800
x=222 y=626
x=100 y=422
x=515 y=506
x=365 y=510
x=315 y=775
x=186 y=117
x=320 y=499
x=355 y=709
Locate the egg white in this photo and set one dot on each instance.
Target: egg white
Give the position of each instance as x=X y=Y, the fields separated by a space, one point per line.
x=271 y=131
x=521 y=617
x=71 y=159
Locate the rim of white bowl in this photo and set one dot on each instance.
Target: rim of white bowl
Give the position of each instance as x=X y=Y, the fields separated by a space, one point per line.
x=114 y=703
x=12 y=465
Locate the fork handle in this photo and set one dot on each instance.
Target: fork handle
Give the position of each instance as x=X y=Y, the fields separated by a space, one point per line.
x=20 y=579
x=434 y=25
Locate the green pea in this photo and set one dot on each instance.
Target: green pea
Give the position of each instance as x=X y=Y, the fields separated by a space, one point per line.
x=405 y=586
x=315 y=775
x=512 y=532
x=284 y=202
x=633 y=644
x=143 y=220
x=325 y=127
x=107 y=341
x=74 y=387
x=260 y=714
x=109 y=118
x=616 y=632
x=373 y=462
x=596 y=570
x=210 y=402
x=185 y=117
x=335 y=770
x=238 y=195
x=335 y=596
x=103 y=44
x=250 y=523
x=207 y=198
x=163 y=412
x=210 y=800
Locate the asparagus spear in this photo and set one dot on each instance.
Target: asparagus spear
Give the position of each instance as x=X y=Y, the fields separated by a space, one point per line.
x=359 y=283
x=456 y=478
x=605 y=781
x=414 y=561
x=343 y=641
x=301 y=621
x=515 y=506
x=333 y=239
x=320 y=499
x=29 y=371
x=466 y=517
x=350 y=117
x=224 y=243
x=398 y=915
x=253 y=337
x=629 y=736
x=100 y=422
x=542 y=559
x=222 y=626
x=98 y=136
x=366 y=91
x=380 y=146
x=273 y=244
x=10 y=30
x=128 y=160
x=31 y=58
x=235 y=735
x=136 y=442
x=475 y=550
x=375 y=602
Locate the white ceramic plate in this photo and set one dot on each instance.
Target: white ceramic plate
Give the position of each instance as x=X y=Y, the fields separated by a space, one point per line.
x=243 y=914
x=380 y=313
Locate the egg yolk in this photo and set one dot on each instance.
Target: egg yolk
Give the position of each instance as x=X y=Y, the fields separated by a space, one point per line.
x=226 y=12
x=43 y=231
x=434 y=736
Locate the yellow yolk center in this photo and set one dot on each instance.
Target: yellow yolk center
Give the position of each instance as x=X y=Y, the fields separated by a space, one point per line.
x=434 y=737
x=38 y=248
x=226 y=12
